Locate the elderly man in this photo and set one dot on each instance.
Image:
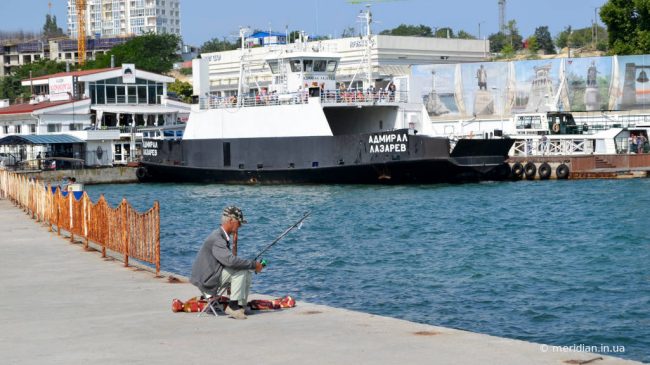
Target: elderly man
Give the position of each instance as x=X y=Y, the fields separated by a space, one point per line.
x=216 y=265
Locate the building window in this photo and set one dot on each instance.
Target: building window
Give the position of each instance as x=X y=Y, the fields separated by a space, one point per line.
x=5 y=129
x=18 y=129
x=55 y=127
x=32 y=128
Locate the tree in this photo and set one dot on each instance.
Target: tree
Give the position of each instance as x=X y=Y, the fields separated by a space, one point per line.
x=445 y=33
x=544 y=40
x=514 y=38
x=217 y=45
x=465 y=35
x=182 y=89
x=410 y=30
x=628 y=25
x=10 y=85
x=150 y=52
x=497 y=42
x=50 y=28
x=533 y=44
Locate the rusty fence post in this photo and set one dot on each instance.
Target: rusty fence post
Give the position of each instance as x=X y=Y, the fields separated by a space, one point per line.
x=156 y=224
x=125 y=236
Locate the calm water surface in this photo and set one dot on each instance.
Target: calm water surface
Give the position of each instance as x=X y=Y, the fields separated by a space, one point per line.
x=559 y=262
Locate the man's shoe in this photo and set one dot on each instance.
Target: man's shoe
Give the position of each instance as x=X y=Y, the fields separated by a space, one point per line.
x=236 y=314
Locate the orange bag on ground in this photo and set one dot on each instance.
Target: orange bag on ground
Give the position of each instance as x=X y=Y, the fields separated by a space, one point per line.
x=196 y=304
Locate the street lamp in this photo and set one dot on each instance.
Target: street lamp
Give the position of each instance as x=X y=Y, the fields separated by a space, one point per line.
x=479 y=29
x=594 y=36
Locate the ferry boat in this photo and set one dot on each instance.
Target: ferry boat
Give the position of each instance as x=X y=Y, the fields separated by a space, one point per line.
x=305 y=129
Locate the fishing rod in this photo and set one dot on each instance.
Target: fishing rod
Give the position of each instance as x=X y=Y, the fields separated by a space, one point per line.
x=298 y=224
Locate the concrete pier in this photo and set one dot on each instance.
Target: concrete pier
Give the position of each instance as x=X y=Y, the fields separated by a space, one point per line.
x=63 y=305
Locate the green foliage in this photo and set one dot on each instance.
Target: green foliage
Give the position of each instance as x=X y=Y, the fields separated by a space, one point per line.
x=445 y=33
x=182 y=89
x=50 y=28
x=10 y=85
x=628 y=25
x=533 y=45
x=149 y=52
x=218 y=45
x=544 y=40
x=464 y=35
x=508 y=51
x=515 y=39
x=497 y=42
x=10 y=88
x=186 y=71
x=410 y=30
x=580 y=38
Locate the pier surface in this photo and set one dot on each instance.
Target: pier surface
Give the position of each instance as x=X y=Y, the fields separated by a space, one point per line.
x=63 y=305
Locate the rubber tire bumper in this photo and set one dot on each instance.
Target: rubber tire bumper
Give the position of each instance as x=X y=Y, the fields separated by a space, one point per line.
x=530 y=170
x=562 y=172
x=544 y=171
x=517 y=170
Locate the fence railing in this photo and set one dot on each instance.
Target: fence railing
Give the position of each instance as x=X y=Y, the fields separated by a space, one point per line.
x=122 y=230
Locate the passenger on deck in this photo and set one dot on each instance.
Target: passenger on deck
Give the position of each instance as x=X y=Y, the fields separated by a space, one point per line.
x=215 y=264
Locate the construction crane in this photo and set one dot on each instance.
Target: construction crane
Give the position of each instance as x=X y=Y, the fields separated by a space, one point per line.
x=81 y=30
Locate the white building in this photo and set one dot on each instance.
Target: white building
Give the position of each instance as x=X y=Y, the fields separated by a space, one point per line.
x=112 y=18
x=390 y=58
x=95 y=115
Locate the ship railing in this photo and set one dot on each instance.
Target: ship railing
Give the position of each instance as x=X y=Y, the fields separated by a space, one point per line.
x=552 y=147
x=352 y=97
x=363 y=97
x=122 y=229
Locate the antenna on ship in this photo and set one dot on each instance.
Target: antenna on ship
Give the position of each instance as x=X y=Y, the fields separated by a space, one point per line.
x=243 y=32
x=366 y=16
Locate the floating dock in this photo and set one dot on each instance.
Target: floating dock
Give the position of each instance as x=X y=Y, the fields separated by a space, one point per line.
x=623 y=166
x=64 y=305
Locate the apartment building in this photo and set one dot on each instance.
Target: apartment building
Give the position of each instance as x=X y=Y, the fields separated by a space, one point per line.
x=117 y=18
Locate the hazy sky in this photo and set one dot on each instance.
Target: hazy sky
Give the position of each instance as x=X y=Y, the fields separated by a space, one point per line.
x=205 y=19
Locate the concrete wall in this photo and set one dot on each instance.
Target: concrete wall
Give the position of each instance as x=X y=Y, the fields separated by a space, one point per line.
x=111 y=175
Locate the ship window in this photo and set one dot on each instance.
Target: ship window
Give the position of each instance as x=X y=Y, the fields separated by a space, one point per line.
x=309 y=65
x=292 y=165
x=260 y=166
x=331 y=66
x=320 y=65
x=296 y=66
x=274 y=66
x=241 y=166
x=314 y=164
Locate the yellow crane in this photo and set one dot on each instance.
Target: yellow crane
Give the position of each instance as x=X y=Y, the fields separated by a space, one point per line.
x=81 y=30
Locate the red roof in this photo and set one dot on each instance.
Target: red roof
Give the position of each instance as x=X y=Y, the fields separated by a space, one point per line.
x=29 y=108
x=73 y=73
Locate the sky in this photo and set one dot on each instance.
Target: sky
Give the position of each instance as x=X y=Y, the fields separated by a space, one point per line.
x=202 y=20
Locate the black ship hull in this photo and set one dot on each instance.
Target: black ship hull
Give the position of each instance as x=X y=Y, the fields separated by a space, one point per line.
x=395 y=157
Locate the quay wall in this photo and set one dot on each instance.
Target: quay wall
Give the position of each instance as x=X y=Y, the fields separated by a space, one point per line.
x=109 y=175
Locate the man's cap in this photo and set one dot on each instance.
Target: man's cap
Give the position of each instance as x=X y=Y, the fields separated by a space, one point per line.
x=234 y=213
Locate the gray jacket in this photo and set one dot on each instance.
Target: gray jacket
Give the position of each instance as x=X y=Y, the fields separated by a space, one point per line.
x=213 y=256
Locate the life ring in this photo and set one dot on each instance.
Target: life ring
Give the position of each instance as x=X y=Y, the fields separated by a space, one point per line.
x=530 y=170
x=141 y=173
x=517 y=170
x=562 y=172
x=556 y=128
x=544 y=171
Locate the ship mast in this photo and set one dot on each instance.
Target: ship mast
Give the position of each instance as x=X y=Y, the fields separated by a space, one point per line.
x=367 y=17
x=240 y=88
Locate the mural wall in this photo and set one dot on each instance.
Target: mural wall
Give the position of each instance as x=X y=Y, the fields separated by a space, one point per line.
x=503 y=88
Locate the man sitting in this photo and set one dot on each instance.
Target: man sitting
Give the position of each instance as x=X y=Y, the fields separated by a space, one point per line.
x=216 y=265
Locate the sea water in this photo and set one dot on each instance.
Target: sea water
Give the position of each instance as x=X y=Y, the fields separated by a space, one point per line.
x=564 y=263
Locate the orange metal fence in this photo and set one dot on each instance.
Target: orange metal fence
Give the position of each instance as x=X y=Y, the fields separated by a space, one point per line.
x=122 y=229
